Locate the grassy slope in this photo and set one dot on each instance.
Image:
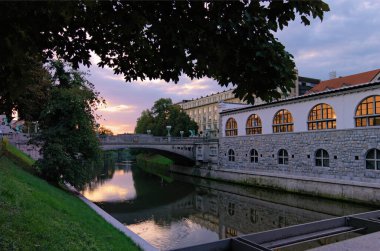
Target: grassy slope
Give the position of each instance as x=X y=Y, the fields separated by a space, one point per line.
x=37 y=216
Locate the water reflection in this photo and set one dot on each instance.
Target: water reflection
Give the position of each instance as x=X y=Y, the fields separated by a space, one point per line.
x=192 y=211
x=120 y=188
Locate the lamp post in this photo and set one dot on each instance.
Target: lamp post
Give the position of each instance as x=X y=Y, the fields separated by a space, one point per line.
x=168 y=128
x=148 y=131
x=181 y=132
x=97 y=129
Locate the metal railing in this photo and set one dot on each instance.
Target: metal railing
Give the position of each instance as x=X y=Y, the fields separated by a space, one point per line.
x=146 y=139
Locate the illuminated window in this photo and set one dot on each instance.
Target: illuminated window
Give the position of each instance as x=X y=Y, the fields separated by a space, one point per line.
x=322 y=158
x=283 y=157
x=253 y=125
x=321 y=117
x=231 y=127
x=368 y=112
x=372 y=160
x=231 y=155
x=283 y=121
x=254 y=156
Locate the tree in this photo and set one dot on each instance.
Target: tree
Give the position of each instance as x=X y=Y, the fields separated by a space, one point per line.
x=105 y=131
x=30 y=100
x=162 y=114
x=231 y=41
x=69 y=144
x=145 y=122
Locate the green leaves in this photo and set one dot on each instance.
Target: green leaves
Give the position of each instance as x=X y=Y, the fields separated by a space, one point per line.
x=160 y=40
x=162 y=114
x=69 y=144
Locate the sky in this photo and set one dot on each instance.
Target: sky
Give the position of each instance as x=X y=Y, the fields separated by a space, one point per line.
x=346 y=41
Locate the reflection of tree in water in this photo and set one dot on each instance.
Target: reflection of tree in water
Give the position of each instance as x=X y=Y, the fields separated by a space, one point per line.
x=152 y=196
x=103 y=171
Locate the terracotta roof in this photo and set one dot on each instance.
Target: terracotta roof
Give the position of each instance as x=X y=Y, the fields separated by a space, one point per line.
x=356 y=79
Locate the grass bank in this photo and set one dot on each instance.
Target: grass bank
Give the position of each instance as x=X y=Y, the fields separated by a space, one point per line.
x=37 y=216
x=155 y=164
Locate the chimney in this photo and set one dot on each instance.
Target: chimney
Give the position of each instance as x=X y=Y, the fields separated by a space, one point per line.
x=332 y=74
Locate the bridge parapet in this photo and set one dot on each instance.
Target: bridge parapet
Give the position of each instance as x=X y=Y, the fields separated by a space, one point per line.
x=147 y=139
x=202 y=150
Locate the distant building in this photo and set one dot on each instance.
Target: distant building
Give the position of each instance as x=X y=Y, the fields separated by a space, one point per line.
x=204 y=110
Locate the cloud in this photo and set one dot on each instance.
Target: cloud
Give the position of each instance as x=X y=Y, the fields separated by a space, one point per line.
x=117 y=108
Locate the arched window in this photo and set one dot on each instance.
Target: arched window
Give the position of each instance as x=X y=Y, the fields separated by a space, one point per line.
x=231 y=155
x=283 y=121
x=254 y=156
x=283 y=157
x=372 y=160
x=231 y=127
x=322 y=158
x=253 y=125
x=321 y=116
x=368 y=112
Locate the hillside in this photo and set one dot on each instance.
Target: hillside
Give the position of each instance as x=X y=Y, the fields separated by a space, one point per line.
x=35 y=215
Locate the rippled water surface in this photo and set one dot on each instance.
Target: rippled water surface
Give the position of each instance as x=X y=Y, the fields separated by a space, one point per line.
x=192 y=211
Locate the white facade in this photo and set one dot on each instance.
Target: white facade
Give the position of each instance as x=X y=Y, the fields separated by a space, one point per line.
x=343 y=101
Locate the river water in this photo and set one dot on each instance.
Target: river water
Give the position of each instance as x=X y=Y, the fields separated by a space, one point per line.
x=190 y=211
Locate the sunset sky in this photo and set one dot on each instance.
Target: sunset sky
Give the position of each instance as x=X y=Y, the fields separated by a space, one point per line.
x=347 y=41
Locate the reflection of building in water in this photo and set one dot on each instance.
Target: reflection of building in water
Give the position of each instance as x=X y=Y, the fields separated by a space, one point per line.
x=234 y=214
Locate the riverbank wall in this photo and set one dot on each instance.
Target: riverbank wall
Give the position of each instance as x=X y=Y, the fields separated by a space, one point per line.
x=353 y=191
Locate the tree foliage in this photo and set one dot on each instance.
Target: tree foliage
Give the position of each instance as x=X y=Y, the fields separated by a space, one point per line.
x=162 y=114
x=67 y=123
x=229 y=41
x=105 y=131
x=30 y=100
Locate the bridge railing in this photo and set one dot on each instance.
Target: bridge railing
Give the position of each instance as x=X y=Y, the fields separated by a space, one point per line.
x=148 y=139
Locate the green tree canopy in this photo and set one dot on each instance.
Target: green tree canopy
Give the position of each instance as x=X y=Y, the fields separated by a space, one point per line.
x=162 y=114
x=69 y=144
x=229 y=41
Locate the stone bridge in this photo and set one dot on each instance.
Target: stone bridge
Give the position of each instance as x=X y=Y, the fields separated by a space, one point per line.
x=194 y=149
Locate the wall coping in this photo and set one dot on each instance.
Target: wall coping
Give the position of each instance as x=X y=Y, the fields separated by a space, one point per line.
x=302 y=178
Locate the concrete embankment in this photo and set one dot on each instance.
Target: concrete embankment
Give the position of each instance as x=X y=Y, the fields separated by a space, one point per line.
x=368 y=193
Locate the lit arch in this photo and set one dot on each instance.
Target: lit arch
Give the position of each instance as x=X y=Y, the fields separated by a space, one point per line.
x=231 y=127
x=321 y=116
x=368 y=112
x=283 y=121
x=253 y=125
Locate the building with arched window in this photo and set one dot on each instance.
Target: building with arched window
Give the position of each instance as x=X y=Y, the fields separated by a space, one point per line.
x=329 y=134
x=368 y=112
x=231 y=127
x=253 y=125
x=321 y=117
x=283 y=121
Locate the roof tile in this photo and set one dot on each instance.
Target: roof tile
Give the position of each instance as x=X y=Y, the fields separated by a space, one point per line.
x=356 y=79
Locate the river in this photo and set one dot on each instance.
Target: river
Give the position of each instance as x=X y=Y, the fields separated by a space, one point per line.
x=190 y=211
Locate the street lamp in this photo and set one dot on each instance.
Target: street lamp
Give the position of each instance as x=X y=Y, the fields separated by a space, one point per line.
x=148 y=131
x=168 y=128
x=181 y=132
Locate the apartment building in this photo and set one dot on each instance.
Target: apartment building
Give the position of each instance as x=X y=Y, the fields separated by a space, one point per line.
x=204 y=110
